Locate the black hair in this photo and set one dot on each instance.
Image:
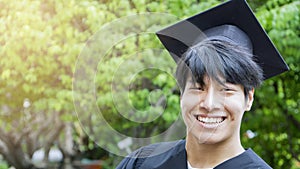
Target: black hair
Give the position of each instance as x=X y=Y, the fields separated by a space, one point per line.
x=219 y=59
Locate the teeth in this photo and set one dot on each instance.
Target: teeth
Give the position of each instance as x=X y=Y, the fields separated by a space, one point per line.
x=210 y=119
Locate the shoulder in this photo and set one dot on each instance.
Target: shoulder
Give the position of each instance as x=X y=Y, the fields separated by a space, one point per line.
x=256 y=160
x=249 y=159
x=158 y=152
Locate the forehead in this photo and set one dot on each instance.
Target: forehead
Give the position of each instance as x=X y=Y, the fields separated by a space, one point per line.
x=206 y=80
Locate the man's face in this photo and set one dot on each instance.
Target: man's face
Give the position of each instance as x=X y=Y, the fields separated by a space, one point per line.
x=213 y=112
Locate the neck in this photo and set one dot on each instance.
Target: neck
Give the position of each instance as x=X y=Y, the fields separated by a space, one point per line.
x=202 y=155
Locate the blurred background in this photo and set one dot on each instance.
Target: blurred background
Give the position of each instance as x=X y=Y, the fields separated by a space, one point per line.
x=40 y=42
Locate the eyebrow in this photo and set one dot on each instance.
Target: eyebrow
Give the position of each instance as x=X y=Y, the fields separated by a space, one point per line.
x=223 y=82
x=195 y=83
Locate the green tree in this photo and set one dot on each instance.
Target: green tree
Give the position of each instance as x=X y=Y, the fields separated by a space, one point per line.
x=275 y=117
x=40 y=41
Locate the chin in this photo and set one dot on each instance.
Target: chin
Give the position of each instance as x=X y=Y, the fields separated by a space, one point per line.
x=205 y=138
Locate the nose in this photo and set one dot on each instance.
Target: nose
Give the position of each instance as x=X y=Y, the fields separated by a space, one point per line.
x=210 y=100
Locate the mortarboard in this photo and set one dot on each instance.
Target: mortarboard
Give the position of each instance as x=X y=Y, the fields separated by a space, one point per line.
x=231 y=21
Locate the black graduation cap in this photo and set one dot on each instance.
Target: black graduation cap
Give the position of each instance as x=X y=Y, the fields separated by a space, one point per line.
x=232 y=20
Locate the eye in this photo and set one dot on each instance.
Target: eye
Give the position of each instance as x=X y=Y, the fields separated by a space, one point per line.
x=197 y=88
x=227 y=89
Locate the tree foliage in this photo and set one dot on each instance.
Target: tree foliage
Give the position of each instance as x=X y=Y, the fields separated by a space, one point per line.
x=276 y=110
x=39 y=46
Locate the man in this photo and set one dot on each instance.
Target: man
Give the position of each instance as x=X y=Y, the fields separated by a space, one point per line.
x=218 y=71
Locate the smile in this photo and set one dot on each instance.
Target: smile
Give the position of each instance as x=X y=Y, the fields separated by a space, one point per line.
x=210 y=120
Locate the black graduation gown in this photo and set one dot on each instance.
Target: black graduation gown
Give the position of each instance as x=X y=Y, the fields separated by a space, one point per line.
x=174 y=156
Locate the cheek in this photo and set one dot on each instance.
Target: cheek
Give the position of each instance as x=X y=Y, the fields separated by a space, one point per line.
x=186 y=105
x=235 y=107
x=188 y=102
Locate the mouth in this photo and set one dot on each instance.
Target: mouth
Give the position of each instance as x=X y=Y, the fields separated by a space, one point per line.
x=210 y=120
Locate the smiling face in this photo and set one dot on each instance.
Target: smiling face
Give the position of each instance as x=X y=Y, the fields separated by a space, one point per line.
x=217 y=80
x=213 y=112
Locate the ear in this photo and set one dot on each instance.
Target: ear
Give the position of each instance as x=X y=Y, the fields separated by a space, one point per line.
x=250 y=99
